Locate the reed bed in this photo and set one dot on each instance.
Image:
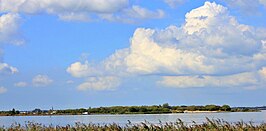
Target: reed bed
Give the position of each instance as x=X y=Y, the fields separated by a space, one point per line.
x=179 y=125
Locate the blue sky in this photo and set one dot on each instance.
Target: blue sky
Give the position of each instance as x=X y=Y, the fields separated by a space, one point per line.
x=90 y=53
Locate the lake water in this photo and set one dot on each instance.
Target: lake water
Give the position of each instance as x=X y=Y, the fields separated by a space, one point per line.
x=256 y=117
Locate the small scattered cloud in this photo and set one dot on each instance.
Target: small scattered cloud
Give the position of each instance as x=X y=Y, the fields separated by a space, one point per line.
x=174 y=3
x=246 y=80
x=6 y=69
x=3 y=90
x=133 y=15
x=41 y=81
x=74 y=17
x=100 y=83
x=143 y=13
x=21 y=84
x=70 y=82
x=249 y=7
x=85 y=69
x=236 y=81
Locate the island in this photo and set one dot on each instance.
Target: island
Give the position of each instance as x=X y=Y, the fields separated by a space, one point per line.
x=154 y=109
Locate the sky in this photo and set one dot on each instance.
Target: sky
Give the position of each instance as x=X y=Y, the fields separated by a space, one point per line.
x=92 y=53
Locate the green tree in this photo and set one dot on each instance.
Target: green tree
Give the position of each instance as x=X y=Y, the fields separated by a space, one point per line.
x=226 y=108
x=133 y=109
x=212 y=107
x=13 y=112
x=166 y=105
x=143 y=109
x=192 y=108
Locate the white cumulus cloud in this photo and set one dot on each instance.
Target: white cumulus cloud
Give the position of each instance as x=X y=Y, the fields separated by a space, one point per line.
x=211 y=44
x=41 y=81
x=148 y=57
x=79 y=69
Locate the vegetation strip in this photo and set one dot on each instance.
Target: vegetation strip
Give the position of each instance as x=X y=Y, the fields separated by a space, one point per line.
x=155 y=109
x=179 y=125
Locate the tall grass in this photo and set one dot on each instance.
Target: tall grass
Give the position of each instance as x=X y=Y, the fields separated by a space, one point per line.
x=179 y=125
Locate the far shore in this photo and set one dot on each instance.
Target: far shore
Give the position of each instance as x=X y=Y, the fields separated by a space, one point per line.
x=153 y=109
x=125 y=113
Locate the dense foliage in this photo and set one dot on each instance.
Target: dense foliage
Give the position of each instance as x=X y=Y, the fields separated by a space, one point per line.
x=212 y=125
x=155 y=109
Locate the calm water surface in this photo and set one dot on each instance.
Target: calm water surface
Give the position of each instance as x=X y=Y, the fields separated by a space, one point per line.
x=256 y=117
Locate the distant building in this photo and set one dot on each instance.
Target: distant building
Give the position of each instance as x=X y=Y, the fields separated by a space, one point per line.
x=85 y=113
x=23 y=112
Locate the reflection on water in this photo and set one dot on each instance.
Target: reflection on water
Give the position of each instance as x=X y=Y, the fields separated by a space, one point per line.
x=256 y=117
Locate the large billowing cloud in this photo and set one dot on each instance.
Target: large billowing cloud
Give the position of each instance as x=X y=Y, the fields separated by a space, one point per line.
x=211 y=49
x=81 y=10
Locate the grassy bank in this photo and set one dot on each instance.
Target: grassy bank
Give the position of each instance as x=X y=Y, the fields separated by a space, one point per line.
x=145 y=126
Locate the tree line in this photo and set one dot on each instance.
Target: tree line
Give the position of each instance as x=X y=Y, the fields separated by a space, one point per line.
x=154 y=109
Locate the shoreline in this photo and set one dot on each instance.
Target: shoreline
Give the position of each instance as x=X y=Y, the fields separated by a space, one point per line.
x=205 y=111
x=129 y=113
